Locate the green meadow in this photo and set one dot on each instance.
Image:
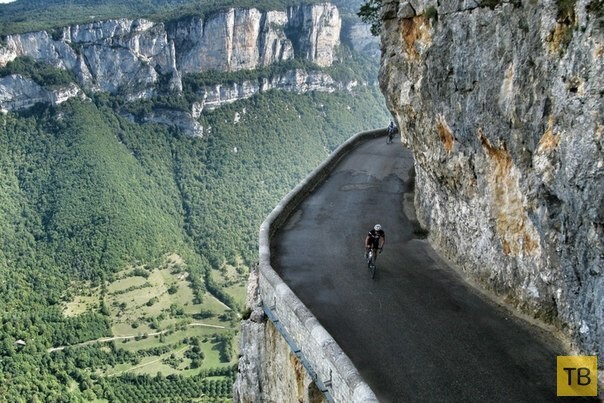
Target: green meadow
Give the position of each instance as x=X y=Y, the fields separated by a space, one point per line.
x=152 y=315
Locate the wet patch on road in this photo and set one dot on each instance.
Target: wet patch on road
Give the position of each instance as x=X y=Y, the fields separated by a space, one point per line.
x=359 y=186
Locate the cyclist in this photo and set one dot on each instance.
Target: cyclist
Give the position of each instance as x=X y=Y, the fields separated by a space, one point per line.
x=375 y=239
x=391 y=130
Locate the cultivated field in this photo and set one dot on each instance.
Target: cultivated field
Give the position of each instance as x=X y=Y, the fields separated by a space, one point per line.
x=153 y=316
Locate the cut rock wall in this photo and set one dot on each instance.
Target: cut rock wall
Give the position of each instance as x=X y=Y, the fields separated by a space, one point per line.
x=503 y=109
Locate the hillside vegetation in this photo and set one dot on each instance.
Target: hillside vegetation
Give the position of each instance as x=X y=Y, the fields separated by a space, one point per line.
x=113 y=228
x=125 y=246
x=38 y=15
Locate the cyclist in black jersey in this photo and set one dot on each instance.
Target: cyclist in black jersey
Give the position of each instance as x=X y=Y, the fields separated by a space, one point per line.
x=375 y=239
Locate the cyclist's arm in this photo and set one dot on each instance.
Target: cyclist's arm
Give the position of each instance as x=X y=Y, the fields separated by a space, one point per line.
x=382 y=241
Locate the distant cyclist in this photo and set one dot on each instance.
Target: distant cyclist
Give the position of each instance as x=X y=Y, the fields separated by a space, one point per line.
x=391 y=130
x=375 y=239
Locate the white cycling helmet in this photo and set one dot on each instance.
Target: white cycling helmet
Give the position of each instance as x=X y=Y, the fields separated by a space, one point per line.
x=377 y=227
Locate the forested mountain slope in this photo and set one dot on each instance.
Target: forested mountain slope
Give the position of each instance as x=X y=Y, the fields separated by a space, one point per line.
x=35 y=15
x=88 y=195
x=116 y=227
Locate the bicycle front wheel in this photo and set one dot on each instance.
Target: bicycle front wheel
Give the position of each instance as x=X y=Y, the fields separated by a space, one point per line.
x=371 y=264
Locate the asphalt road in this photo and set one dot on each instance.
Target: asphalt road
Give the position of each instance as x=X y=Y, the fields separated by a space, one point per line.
x=417 y=332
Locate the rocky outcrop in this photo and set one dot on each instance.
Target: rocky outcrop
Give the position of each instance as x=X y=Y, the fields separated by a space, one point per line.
x=297 y=81
x=502 y=106
x=113 y=56
x=17 y=92
x=321 y=27
x=213 y=96
x=245 y=39
x=234 y=40
x=136 y=57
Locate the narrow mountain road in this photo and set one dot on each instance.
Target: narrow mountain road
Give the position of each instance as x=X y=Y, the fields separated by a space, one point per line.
x=417 y=332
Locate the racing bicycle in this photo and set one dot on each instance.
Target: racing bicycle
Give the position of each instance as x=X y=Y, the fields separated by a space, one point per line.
x=371 y=257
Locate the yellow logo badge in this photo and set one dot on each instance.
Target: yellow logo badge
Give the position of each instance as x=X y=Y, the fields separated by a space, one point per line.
x=577 y=376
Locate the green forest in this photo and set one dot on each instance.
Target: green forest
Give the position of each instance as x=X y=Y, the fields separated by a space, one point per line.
x=37 y=15
x=125 y=247
x=114 y=228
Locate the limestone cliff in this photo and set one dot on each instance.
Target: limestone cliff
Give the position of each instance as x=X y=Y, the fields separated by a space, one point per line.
x=502 y=106
x=138 y=58
x=248 y=38
x=18 y=92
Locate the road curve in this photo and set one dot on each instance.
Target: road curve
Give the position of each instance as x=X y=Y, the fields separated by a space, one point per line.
x=417 y=332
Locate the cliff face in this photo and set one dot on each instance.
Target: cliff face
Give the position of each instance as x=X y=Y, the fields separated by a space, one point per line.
x=247 y=38
x=133 y=57
x=503 y=109
x=268 y=370
x=18 y=92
